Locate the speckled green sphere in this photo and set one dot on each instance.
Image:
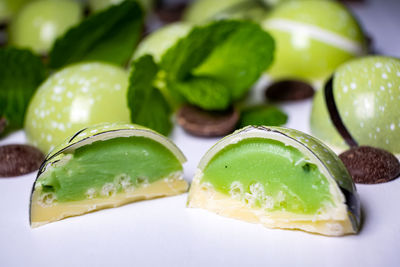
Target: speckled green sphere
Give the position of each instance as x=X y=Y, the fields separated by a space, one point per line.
x=39 y=23
x=202 y=11
x=367 y=95
x=158 y=42
x=312 y=39
x=96 y=5
x=8 y=8
x=74 y=98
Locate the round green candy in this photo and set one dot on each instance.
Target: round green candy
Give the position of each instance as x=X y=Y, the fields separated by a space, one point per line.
x=74 y=98
x=201 y=11
x=367 y=93
x=158 y=42
x=279 y=177
x=312 y=39
x=39 y=23
x=96 y=5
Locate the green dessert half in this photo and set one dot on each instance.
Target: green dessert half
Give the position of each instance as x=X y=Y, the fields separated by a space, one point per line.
x=281 y=178
x=105 y=166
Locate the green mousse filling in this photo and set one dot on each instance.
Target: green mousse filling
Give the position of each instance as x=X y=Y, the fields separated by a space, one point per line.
x=105 y=168
x=267 y=174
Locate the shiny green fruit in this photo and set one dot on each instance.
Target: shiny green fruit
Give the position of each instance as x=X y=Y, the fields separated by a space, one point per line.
x=312 y=39
x=367 y=95
x=39 y=23
x=74 y=98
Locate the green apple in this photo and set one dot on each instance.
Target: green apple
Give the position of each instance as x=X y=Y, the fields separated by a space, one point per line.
x=39 y=23
x=366 y=92
x=105 y=166
x=73 y=98
x=278 y=177
x=312 y=39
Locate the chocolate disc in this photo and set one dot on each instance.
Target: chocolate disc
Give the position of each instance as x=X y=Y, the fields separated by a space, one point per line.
x=170 y=13
x=19 y=159
x=369 y=165
x=289 y=90
x=200 y=122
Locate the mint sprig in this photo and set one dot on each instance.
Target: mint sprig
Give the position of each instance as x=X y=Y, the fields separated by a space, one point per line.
x=147 y=105
x=233 y=53
x=110 y=35
x=213 y=66
x=21 y=72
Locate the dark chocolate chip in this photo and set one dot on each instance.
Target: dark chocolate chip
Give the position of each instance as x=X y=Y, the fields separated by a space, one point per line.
x=19 y=159
x=369 y=165
x=170 y=13
x=289 y=90
x=200 y=122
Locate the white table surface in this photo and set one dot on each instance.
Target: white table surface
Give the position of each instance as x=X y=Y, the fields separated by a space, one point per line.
x=163 y=232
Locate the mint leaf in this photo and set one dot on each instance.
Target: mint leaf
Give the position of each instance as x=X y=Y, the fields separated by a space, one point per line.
x=232 y=54
x=197 y=92
x=262 y=115
x=110 y=35
x=147 y=105
x=241 y=59
x=21 y=72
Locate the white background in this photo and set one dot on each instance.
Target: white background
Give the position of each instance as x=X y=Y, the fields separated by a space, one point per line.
x=163 y=232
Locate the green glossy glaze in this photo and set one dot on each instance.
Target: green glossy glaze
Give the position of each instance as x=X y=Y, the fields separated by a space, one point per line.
x=74 y=98
x=313 y=56
x=158 y=42
x=303 y=57
x=107 y=167
x=39 y=23
x=275 y=176
x=367 y=94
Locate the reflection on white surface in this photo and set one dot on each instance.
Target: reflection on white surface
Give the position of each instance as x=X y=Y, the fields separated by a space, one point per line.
x=80 y=110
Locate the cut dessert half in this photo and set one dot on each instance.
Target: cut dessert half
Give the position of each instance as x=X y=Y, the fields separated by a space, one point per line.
x=281 y=178
x=105 y=166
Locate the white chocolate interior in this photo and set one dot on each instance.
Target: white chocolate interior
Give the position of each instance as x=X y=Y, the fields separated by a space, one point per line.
x=43 y=213
x=332 y=222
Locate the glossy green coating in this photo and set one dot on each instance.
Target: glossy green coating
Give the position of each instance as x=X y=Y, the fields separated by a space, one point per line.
x=8 y=8
x=40 y=22
x=317 y=35
x=96 y=5
x=158 y=42
x=367 y=93
x=202 y=11
x=268 y=168
x=107 y=167
x=73 y=98
x=283 y=149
